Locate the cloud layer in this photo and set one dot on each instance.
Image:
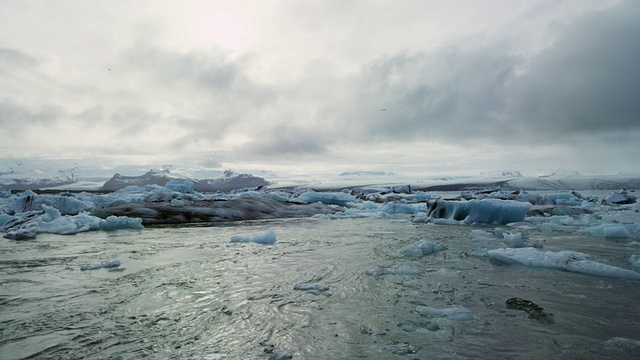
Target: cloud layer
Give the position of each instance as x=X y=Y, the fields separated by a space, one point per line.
x=519 y=84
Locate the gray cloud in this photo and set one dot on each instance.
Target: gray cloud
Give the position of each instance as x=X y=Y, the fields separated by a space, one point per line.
x=584 y=83
x=15 y=116
x=588 y=80
x=286 y=141
x=387 y=82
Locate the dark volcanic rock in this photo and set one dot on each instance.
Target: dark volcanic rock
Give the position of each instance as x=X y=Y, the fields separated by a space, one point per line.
x=535 y=312
x=215 y=211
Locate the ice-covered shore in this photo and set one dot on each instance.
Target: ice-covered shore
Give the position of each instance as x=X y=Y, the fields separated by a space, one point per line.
x=24 y=215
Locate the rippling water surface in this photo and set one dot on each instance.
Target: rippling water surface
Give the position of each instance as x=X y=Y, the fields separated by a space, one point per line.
x=189 y=293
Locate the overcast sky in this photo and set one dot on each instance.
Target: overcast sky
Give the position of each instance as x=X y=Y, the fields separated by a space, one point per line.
x=438 y=87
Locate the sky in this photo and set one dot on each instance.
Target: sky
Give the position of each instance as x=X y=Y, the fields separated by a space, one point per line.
x=423 y=87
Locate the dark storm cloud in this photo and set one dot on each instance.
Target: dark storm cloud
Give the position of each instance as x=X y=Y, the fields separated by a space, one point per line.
x=585 y=82
x=589 y=79
x=448 y=93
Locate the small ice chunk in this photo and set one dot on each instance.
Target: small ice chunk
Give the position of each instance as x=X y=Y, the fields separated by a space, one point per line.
x=177 y=203
x=282 y=354
x=22 y=233
x=108 y=264
x=311 y=286
x=423 y=248
x=121 y=222
x=455 y=312
x=623 y=342
x=513 y=239
x=616 y=231
x=401 y=348
x=634 y=260
x=480 y=252
x=268 y=237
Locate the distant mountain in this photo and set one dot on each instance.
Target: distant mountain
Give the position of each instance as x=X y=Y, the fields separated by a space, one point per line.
x=67 y=177
x=366 y=173
x=501 y=174
x=228 y=181
x=153 y=177
x=35 y=184
x=562 y=174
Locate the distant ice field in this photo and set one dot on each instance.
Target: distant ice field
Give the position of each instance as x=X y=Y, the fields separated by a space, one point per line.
x=385 y=288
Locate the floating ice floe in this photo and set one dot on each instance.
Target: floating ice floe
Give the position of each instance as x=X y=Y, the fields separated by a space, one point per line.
x=514 y=240
x=423 y=248
x=572 y=261
x=108 y=264
x=634 y=260
x=327 y=198
x=623 y=343
x=311 y=286
x=400 y=348
x=609 y=230
x=486 y=211
x=50 y=220
x=456 y=312
x=281 y=354
x=268 y=237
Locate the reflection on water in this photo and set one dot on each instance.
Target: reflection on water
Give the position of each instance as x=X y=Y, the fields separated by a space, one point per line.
x=189 y=293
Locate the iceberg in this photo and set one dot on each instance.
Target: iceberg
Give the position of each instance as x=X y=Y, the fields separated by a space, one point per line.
x=572 y=261
x=22 y=233
x=327 y=198
x=486 y=211
x=268 y=237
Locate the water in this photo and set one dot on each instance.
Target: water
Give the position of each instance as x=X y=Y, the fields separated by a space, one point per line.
x=189 y=293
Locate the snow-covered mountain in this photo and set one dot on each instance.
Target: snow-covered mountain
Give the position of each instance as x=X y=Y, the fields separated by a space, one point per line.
x=228 y=181
x=62 y=178
x=501 y=174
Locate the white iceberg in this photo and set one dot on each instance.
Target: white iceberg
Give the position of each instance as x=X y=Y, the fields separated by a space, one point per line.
x=456 y=312
x=268 y=237
x=486 y=211
x=562 y=260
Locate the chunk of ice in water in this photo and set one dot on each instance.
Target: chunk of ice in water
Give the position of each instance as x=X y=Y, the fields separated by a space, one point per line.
x=623 y=342
x=282 y=354
x=311 y=286
x=268 y=237
x=456 y=312
x=108 y=264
